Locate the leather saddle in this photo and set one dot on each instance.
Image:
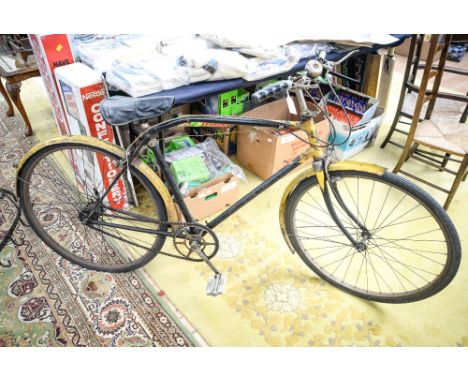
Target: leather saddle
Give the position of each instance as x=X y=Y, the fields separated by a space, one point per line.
x=121 y=110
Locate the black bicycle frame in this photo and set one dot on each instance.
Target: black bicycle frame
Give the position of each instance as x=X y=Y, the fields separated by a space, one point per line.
x=217 y=122
x=211 y=121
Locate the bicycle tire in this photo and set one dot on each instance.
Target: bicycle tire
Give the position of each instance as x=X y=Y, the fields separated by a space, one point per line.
x=27 y=205
x=394 y=182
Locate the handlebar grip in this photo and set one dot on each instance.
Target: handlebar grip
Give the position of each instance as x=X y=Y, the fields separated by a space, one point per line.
x=274 y=90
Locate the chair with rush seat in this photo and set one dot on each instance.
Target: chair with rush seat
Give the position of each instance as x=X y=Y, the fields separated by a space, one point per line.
x=441 y=131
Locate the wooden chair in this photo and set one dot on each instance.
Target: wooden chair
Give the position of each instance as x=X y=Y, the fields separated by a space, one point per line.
x=438 y=132
x=409 y=92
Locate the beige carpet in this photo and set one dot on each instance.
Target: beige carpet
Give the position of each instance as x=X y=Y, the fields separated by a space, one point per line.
x=260 y=267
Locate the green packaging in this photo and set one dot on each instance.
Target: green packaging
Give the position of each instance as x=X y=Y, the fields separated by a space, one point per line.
x=192 y=170
x=178 y=143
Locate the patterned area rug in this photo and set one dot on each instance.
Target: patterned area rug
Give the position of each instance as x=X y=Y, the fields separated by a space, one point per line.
x=47 y=301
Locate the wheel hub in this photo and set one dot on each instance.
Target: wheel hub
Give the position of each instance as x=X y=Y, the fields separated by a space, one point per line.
x=362 y=245
x=91 y=208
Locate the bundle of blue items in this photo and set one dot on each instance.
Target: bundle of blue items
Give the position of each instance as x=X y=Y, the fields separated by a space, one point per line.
x=456 y=52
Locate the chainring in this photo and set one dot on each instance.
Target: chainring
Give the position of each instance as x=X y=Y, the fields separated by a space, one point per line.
x=195 y=233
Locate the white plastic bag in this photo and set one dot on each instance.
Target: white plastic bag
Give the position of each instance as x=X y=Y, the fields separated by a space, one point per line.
x=217 y=162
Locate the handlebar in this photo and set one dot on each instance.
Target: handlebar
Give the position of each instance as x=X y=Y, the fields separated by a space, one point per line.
x=277 y=89
x=315 y=68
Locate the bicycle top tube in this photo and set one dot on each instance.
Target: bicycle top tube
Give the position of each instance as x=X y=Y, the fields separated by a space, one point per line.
x=217 y=121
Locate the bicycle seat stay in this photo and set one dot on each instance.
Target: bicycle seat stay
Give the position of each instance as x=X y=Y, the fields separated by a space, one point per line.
x=121 y=110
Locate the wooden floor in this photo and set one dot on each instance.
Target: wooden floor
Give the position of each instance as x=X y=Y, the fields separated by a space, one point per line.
x=454 y=82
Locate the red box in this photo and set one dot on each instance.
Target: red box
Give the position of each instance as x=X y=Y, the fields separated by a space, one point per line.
x=53 y=51
x=82 y=89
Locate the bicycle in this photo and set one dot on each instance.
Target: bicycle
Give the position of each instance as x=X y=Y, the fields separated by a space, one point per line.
x=364 y=230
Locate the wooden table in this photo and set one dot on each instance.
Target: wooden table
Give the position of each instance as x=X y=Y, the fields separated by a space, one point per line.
x=15 y=70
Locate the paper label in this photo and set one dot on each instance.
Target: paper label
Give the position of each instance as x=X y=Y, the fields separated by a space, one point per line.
x=287 y=139
x=203 y=193
x=230 y=186
x=291 y=105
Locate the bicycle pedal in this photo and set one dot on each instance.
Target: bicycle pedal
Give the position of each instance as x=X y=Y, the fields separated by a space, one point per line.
x=216 y=284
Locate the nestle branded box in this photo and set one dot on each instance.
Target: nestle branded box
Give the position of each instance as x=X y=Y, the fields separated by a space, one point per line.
x=53 y=51
x=81 y=90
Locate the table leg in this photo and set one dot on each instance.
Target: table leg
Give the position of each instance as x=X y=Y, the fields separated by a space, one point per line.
x=372 y=76
x=14 y=89
x=10 y=112
x=386 y=76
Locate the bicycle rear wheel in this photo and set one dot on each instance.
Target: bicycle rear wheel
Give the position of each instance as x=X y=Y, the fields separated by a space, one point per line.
x=60 y=187
x=413 y=250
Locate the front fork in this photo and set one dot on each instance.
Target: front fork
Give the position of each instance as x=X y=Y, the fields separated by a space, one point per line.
x=328 y=184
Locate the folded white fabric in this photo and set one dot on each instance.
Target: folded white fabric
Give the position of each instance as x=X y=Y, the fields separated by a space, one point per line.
x=139 y=78
x=101 y=53
x=180 y=45
x=261 y=68
x=222 y=64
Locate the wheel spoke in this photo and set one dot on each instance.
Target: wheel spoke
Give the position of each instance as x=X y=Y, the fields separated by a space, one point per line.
x=54 y=183
x=396 y=262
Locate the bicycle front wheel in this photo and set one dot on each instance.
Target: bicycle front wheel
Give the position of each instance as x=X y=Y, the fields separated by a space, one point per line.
x=412 y=249
x=61 y=187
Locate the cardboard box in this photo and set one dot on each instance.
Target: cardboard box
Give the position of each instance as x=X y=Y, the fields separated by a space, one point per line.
x=322 y=130
x=361 y=135
x=53 y=51
x=81 y=90
x=264 y=150
x=212 y=196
